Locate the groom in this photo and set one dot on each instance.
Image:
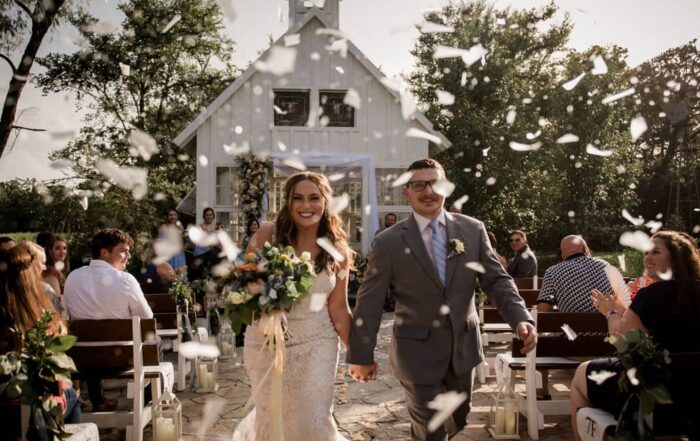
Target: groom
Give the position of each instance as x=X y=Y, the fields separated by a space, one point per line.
x=436 y=342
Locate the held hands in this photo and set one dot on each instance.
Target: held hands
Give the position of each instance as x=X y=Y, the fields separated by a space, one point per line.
x=362 y=373
x=605 y=303
x=528 y=334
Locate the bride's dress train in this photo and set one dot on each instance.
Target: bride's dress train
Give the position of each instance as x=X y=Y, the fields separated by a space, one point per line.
x=310 y=367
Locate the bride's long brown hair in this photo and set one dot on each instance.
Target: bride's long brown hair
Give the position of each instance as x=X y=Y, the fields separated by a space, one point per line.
x=331 y=226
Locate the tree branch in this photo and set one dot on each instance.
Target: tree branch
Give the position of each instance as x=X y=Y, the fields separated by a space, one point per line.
x=24 y=7
x=12 y=65
x=27 y=128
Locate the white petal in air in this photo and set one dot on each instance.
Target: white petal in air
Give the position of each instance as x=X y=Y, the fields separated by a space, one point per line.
x=638 y=126
x=632 y=376
x=417 y=133
x=595 y=151
x=622 y=262
x=476 y=266
x=339 y=204
x=327 y=245
x=666 y=275
x=194 y=349
x=292 y=40
x=567 y=138
x=235 y=150
x=636 y=221
x=229 y=248
x=474 y=54
x=599 y=66
x=340 y=70
x=295 y=162
x=600 y=376
x=444 y=404
x=531 y=136
x=434 y=28
x=569 y=85
x=130 y=178
x=638 y=240
x=280 y=61
x=317 y=301
x=444 y=188
x=570 y=333
x=171 y=23
x=612 y=98
x=213 y=408
x=510 y=117
x=352 y=98
x=125 y=69
x=279 y=111
x=167 y=247
x=144 y=145
x=460 y=202
x=445 y=98
x=84 y=204
x=200 y=238
x=520 y=147
x=203 y=160
x=654 y=226
x=403 y=179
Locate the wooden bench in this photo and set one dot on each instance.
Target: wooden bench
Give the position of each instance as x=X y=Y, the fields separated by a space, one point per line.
x=526 y=282
x=124 y=350
x=554 y=351
x=677 y=419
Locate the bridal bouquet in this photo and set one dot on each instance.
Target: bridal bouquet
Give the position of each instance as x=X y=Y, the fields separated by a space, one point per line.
x=265 y=283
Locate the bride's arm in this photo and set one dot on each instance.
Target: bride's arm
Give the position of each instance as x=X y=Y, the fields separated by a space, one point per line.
x=338 y=307
x=264 y=234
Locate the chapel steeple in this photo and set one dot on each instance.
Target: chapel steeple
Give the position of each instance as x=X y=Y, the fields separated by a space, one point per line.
x=328 y=9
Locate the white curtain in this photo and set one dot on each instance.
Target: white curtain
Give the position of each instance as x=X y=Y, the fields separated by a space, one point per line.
x=344 y=165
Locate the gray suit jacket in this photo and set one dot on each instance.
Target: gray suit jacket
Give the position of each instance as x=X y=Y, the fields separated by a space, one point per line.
x=426 y=336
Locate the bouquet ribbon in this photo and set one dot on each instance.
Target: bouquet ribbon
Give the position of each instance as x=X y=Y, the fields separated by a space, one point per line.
x=272 y=326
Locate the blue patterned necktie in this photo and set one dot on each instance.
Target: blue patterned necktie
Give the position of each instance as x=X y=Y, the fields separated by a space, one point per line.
x=439 y=251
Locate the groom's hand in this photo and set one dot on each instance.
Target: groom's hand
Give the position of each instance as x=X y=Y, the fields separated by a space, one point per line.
x=361 y=373
x=528 y=334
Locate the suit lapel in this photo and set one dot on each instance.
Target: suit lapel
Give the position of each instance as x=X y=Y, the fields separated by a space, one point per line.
x=414 y=240
x=452 y=259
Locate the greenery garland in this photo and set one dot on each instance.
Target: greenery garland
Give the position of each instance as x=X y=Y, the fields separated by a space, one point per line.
x=252 y=175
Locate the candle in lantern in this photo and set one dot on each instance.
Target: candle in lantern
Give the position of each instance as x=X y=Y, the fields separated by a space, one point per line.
x=165 y=429
x=226 y=348
x=500 y=425
x=510 y=414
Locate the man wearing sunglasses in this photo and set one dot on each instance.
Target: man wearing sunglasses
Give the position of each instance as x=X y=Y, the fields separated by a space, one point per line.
x=524 y=264
x=431 y=261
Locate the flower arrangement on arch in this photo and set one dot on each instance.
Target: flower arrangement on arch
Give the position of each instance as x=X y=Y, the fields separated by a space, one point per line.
x=252 y=175
x=265 y=284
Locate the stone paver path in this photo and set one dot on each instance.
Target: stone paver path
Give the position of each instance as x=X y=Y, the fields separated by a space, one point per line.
x=369 y=411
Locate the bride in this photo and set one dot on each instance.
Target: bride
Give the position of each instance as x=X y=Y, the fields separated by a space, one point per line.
x=311 y=356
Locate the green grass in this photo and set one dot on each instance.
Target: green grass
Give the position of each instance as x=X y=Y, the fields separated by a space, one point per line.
x=19 y=237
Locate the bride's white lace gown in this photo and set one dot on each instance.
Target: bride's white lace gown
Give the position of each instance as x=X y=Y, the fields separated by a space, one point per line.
x=310 y=367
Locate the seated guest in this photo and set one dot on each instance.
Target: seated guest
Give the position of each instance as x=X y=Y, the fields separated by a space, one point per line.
x=502 y=260
x=668 y=310
x=22 y=302
x=524 y=264
x=568 y=284
x=103 y=290
x=640 y=282
x=6 y=243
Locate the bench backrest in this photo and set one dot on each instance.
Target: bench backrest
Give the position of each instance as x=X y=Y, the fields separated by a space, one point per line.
x=165 y=310
x=523 y=282
x=591 y=330
x=109 y=344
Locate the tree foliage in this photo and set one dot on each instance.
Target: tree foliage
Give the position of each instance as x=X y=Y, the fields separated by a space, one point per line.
x=515 y=94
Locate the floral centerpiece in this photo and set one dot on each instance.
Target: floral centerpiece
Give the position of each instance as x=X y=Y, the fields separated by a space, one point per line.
x=33 y=374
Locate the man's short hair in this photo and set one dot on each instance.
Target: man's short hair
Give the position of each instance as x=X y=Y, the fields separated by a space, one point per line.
x=5 y=239
x=425 y=163
x=520 y=233
x=108 y=239
x=390 y=214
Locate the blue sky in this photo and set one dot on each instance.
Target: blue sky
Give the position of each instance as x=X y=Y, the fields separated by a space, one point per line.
x=383 y=29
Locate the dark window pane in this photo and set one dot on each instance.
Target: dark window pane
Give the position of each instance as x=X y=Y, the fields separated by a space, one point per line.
x=292 y=108
x=337 y=113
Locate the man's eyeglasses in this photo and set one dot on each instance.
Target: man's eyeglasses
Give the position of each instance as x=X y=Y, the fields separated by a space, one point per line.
x=515 y=239
x=420 y=185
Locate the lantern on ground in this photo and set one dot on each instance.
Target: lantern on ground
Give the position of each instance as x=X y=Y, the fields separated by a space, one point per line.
x=504 y=415
x=207 y=375
x=167 y=418
x=227 y=341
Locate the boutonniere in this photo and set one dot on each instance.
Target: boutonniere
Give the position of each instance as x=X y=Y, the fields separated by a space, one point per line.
x=456 y=247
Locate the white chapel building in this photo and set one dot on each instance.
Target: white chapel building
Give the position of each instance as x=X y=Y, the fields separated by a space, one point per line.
x=291 y=103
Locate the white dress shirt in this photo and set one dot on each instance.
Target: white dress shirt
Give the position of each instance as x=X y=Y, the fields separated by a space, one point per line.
x=100 y=291
x=427 y=234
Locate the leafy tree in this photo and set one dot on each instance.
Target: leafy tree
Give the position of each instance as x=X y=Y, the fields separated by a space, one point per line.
x=669 y=100
x=516 y=94
x=151 y=75
x=16 y=18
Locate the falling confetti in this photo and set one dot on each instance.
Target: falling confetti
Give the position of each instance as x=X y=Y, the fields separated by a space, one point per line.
x=171 y=23
x=143 y=144
x=194 y=349
x=201 y=238
x=125 y=69
x=595 y=151
x=129 y=178
x=623 y=263
x=654 y=226
x=443 y=187
x=203 y=160
x=531 y=136
x=666 y=275
x=636 y=221
x=84 y=204
x=403 y=179
x=445 y=98
x=340 y=70
x=476 y=266
x=352 y=98
x=600 y=376
x=417 y=133
x=632 y=375
x=280 y=61
x=235 y=150
x=612 y=98
x=570 y=333
x=213 y=409
x=567 y=139
x=292 y=40
x=468 y=56
x=599 y=66
x=520 y=147
x=339 y=203
x=295 y=162
x=569 y=85
x=638 y=240
x=638 y=126
x=327 y=245
x=445 y=404
x=230 y=250
x=490 y=181
x=510 y=117
x=459 y=203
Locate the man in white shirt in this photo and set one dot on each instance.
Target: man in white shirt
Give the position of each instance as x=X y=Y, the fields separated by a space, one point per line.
x=103 y=290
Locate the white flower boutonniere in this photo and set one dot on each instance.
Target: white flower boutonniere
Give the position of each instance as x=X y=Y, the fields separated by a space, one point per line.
x=456 y=247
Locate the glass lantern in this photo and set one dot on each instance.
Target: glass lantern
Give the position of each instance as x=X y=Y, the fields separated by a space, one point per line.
x=227 y=341
x=504 y=414
x=167 y=418
x=207 y=375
